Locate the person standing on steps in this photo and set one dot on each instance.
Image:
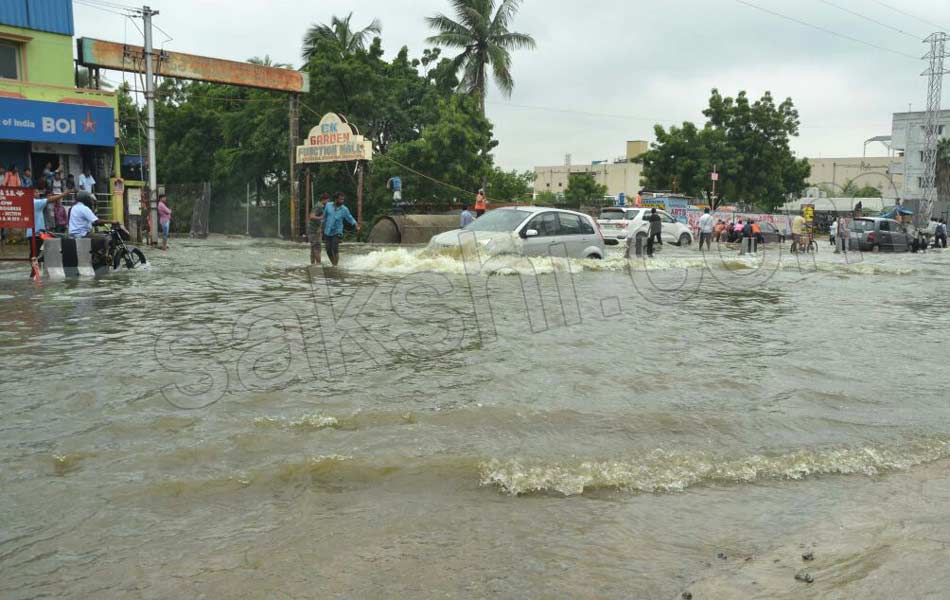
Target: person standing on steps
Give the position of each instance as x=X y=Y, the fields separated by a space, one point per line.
x=334 y=216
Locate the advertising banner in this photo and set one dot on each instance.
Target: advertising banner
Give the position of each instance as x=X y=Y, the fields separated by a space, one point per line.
x=333 y=140
x=57 y=122
x=16 y=208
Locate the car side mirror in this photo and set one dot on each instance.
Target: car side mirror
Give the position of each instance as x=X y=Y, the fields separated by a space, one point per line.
x=531 y=233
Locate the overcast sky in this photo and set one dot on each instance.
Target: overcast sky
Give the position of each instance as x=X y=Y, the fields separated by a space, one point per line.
x=606 y=71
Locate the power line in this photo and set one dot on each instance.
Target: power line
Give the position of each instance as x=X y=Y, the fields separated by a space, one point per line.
x=867 y=18
x=826 y=30
x=912 y=16
x=98 y=7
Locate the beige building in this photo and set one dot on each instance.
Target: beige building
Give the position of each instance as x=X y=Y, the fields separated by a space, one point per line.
x=618 y=176
x=881 y=172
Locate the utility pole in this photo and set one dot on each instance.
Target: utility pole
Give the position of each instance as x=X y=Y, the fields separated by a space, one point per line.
x=935 y=72
x=278 y=209
x=247 y=211
x=147 y=14
x=293 y=139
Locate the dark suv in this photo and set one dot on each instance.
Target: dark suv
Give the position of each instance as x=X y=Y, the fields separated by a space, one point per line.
x=876 y=234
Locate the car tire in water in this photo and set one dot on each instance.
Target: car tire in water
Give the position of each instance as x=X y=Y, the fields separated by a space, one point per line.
x=685 y=240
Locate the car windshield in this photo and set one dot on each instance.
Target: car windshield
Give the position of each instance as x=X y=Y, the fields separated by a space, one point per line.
x=862 y=225
x=502 y=219
x=611 y=214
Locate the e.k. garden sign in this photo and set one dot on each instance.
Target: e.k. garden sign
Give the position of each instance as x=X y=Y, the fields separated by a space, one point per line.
x=333 y=140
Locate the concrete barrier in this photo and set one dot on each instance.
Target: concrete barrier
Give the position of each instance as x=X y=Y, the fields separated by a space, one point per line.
x=69 y=258
x=411 y=229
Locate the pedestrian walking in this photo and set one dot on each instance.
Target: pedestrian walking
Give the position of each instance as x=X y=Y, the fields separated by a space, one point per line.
x=315 y=229
x=706 y=228
x=164 y=219
x=334 y=216
x=655 y=232
x=465 y=218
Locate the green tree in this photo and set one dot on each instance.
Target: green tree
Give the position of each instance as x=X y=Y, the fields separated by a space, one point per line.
x=943 y=170
x=746 y=142
x=509 y=186
x=485 y=41
x=583 y=190
x=453 y=154
x=339 y=37
x=546 y=198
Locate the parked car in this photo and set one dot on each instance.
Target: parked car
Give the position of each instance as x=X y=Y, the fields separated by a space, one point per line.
x=530 y=231
x=622 y=223
x=877 y=234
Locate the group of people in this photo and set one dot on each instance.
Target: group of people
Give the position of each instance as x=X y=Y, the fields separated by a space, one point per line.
x=325 y=227
x=467 y=217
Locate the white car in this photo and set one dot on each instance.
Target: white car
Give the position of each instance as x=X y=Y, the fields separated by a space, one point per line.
x=624 y=223
x=529 y=231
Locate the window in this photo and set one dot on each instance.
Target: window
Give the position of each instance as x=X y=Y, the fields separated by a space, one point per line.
x=586 y=227
x=570 y=224
x=940 y=130
x=920 y=182
x=921 y=156
x=502 y=219
x=667 y=218
x=9 y=60
x=885 y=225
x=632 y=214
x=546 y=224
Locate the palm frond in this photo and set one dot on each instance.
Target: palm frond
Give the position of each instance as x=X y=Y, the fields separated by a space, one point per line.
x=515 y=41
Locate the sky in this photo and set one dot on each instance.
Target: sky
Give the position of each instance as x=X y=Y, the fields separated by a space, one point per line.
x=607 y=71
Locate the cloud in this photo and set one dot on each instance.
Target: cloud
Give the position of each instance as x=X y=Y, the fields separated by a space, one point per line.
x=613 y=67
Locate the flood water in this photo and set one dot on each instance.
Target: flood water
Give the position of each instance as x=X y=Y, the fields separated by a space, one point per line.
x=229 y=423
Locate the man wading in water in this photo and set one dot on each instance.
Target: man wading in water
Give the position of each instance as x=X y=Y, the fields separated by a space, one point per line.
x=656 y=229
x=334 y=216
x=315 y=229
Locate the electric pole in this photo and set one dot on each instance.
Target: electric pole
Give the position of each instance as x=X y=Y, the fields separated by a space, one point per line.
x=147 y=14
x=935 y=72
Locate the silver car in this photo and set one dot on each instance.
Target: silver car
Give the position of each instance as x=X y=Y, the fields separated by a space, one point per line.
x=877 y=234
x=530 y=231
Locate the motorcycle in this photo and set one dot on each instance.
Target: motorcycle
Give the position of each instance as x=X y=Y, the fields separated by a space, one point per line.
x=113 y=251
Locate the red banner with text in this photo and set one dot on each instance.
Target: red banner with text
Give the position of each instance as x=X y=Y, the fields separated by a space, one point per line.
x=16 y=208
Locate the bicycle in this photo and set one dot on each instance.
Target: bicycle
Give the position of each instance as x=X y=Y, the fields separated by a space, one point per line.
x=802 y=246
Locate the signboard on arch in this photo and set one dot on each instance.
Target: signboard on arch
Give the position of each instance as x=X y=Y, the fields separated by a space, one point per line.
x=333 y=140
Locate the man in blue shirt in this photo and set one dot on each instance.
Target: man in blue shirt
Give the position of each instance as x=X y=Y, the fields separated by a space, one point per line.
x=333 y=218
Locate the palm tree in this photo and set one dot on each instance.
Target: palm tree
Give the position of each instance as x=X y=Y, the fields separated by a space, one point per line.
x=338 y=35
x=267 y=61
x=485 y=42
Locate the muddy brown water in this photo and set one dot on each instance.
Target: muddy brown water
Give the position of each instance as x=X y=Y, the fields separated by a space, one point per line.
x=231 y=423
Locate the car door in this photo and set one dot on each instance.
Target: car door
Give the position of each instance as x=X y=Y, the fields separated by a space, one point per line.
x=885 y=235
x=571 y=234
x=670 y=232
x=547 y=226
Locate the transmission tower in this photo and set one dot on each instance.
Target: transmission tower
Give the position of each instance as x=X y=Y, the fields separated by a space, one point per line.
x=935 y=73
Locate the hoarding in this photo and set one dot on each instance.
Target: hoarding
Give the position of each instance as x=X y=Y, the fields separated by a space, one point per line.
x=57 y=122
x=123 y=57
x=333 y=140
x=16 y=208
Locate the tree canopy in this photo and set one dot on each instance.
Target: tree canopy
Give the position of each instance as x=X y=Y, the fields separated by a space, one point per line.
x=437 y=140
x=746 y=142
x=583 y=190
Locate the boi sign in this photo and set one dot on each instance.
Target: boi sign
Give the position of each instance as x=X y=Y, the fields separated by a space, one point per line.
x=332 y=140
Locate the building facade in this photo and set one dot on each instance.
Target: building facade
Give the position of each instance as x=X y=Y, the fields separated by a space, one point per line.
x=619 y=176
x=908 y=138
x=44 y=117
x=837 y=175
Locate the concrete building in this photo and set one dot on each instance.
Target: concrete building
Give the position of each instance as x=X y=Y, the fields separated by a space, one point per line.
x=619 y=176
x=835 y=174
x=44 y=117
x=907 y=138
